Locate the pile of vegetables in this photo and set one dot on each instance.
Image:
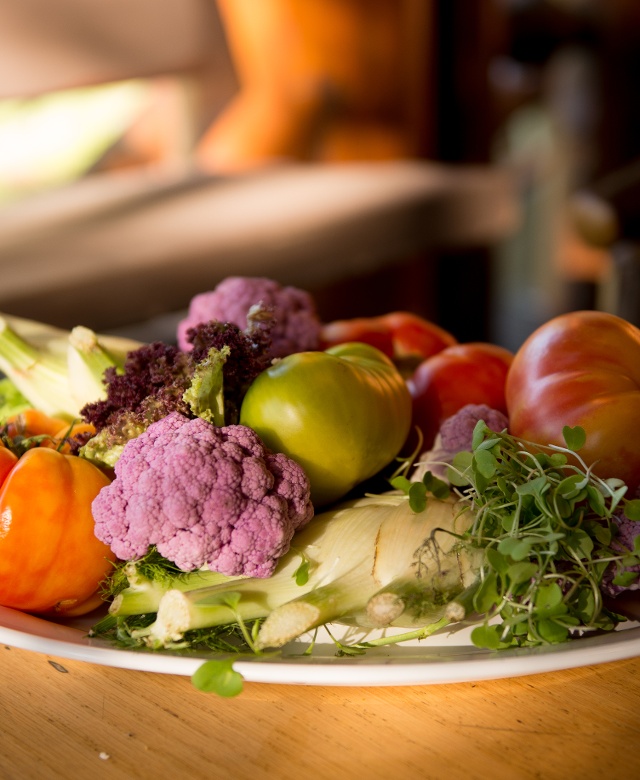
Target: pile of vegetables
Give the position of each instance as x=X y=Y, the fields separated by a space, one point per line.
x=269 y=474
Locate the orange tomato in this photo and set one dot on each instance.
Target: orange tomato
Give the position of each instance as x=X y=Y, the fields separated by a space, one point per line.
x=55 y=431
x=33 y=422
x=50 y=559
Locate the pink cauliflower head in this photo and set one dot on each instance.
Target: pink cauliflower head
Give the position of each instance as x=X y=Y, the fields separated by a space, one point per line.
x=204 y=496
x=456 y=435
x=456 y=432
x=297 y=325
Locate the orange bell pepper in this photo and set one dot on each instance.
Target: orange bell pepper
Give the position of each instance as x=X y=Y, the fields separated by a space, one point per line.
x=50 y=560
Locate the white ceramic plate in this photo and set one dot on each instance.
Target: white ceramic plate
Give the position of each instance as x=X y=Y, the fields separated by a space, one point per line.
x=444 y=658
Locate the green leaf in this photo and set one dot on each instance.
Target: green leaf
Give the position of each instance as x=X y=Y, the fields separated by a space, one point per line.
x=496 y=560
x=596 y=500
x=487 y=444
x=563 y=507
x=571 y=486
x=617 y=496
x=417 y=497
x=504 y=487
x=486 y=637
x=575 y=438
x=625 y=578
x=516 y=548
x=479 y=432
x=599 y=531
x=487 y=595
x=557 y=460
x=579 y=542
x=548 y=597
x=301 y=574
x=521 y=572
x=632 y=509
x=460 y=464
x=585 y=605
x=486 y=463
x=436 y=486
x=534 y=487
x=552 y=632
x=218 y=676
x=400 y=483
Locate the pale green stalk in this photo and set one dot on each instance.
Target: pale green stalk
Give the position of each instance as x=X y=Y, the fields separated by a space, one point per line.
x=58 y=371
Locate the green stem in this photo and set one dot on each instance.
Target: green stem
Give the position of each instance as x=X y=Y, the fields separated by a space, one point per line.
x=144 y=595
x=418 y=633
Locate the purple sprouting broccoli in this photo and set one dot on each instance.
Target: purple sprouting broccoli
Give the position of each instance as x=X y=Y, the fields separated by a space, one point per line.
x=203 y=496
x=208 y=381
x=297 y=325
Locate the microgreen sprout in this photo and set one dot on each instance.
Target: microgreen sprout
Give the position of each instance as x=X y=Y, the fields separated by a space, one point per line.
x=301 y=574
x=546 y=523
x=218 y=676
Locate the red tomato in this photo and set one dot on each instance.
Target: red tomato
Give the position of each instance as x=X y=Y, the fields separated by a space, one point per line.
x=581 y=368
x=404 y=337
x=366 y=329
x=472 y=373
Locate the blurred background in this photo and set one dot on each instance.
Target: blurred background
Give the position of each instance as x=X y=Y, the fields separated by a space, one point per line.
x=474 y=161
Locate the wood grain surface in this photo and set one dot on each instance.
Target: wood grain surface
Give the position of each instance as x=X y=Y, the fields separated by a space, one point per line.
x=71 y=719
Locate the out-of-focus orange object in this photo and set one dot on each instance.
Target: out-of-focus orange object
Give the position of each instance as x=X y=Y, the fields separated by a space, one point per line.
x=319 y=80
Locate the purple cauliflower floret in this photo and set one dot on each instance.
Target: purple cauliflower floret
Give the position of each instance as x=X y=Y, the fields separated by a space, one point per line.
x=456 y=435
x=297 y=325
x=204 y=497
x=456 y=432
x=623 y=543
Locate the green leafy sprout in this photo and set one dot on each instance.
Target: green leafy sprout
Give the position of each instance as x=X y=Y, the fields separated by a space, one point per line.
x=546 y=524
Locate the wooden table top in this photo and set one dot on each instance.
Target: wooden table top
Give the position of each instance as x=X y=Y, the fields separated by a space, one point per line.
x=72 y=719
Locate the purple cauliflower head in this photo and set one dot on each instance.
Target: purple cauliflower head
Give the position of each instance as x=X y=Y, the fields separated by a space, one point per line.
x=456 y=435
x=297 y=325
x=456 y=432
x=204 y=496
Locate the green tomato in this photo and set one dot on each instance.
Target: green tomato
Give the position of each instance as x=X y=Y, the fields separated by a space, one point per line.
x=343 y=415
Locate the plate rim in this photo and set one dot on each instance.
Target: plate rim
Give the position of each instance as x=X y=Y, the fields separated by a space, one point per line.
x=438 y=666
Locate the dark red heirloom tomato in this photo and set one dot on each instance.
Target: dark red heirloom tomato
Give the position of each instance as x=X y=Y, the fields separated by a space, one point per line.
x=581 y=368
x=472 y=373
